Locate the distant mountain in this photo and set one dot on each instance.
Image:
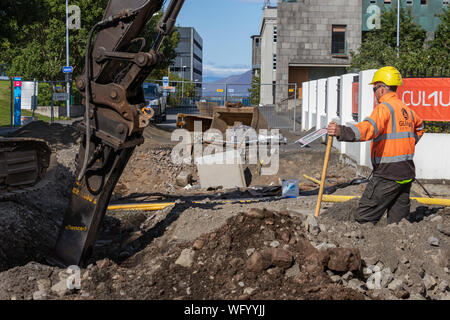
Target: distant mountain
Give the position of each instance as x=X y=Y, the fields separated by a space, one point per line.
x=237 y=85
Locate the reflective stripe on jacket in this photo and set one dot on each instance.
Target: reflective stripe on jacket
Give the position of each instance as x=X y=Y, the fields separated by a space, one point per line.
x=394 y=130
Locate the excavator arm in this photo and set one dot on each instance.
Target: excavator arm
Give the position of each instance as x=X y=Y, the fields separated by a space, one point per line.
x=115 y=116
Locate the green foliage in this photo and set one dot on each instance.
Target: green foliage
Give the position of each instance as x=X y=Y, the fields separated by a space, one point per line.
x=182 y=90
x=255 y=90
x=440 y=46
x=35 y=47
x=378 y=48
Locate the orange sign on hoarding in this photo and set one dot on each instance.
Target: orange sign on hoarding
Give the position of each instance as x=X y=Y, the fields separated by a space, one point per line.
x=355 y=97
x=428 y=97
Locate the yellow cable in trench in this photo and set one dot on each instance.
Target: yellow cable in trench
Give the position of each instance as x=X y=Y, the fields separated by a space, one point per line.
x=325 y=198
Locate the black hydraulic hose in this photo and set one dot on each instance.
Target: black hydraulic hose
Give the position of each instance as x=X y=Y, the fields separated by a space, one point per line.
x=88 y=98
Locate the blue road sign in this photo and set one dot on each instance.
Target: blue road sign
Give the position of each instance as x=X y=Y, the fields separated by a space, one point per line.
x=67 y=69
x=165 y=81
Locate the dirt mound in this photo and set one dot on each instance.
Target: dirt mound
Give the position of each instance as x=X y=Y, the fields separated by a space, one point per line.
x=257 y=255
x=343 y=211
x=57 y=135
x=151 y=170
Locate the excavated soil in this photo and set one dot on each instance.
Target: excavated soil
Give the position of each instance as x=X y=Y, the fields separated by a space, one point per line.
x=273 y=249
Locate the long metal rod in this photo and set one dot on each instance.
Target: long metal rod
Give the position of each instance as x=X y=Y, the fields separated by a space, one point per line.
x=67 y=57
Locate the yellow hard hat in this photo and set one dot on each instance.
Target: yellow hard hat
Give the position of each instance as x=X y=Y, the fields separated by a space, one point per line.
x=390 y=76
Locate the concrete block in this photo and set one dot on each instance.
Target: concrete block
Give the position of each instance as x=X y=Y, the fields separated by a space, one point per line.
x=222 y=169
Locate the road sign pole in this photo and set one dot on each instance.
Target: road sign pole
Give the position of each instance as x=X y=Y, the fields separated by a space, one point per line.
x=67 y=56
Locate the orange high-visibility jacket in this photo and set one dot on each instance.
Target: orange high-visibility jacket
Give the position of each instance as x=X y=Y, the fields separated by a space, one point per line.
x=394 y=130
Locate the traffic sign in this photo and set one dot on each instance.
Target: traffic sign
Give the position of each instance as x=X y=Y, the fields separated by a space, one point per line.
x=68 y=69
x=219 y=90
x=168 y=89
x=60 y=96
x=165 y=81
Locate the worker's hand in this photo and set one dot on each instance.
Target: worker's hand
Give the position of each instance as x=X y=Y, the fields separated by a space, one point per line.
x=334 y=129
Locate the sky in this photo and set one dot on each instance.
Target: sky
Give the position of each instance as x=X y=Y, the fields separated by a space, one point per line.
x=225 y=27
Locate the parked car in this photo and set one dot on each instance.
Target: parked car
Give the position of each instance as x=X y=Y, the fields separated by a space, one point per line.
x=156 y=100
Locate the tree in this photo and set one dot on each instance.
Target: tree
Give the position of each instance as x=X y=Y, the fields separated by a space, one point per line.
x=255 y=90
x=37 y=48
x=16 y=13
x=441 y=43
x=378 y=48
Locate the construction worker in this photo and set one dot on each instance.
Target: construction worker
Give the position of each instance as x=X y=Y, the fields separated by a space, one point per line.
x=394 y=130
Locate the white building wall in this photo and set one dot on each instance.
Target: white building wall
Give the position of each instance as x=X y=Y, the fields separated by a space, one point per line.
x=346 y=110
x=321 y=103
x=431 y=158
x=312 y=117
x=365 y=103
x=305 y=105
x=332 y=101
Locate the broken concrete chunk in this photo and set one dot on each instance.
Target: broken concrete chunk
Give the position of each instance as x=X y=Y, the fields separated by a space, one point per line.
x=293 y=271
x=250 y=251
x=275 y=244
x=186 y=258
x=344 y=259
x=433 y=241
x=60 y=288
x=429 y=282
x=386 y=277
x=312 y=226
x=347 y=276
x=184 y=178
x=395 y=285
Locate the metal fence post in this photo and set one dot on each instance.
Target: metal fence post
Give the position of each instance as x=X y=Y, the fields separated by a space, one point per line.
x=295 y=104
x=226 y=94
x=52 y=117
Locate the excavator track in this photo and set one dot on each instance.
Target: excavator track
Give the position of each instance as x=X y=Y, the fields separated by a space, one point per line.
x=26 y=165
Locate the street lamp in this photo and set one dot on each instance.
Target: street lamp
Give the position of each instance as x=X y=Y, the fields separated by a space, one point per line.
x=67 y=58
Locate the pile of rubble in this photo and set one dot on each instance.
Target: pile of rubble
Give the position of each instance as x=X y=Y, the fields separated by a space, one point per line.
x=152 y=169
x=258 y=254
x=410 y=259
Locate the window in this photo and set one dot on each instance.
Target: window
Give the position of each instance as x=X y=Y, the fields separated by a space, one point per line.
x=424 y=2
x=445 y=2
x=274 y=34
x=387 y=1
x=257 y=43
x=338 y=40
x=274 y=62
x=409 y=2
x=373 y=1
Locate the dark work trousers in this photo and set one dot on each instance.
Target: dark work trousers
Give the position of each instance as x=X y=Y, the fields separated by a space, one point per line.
x=380 y=195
